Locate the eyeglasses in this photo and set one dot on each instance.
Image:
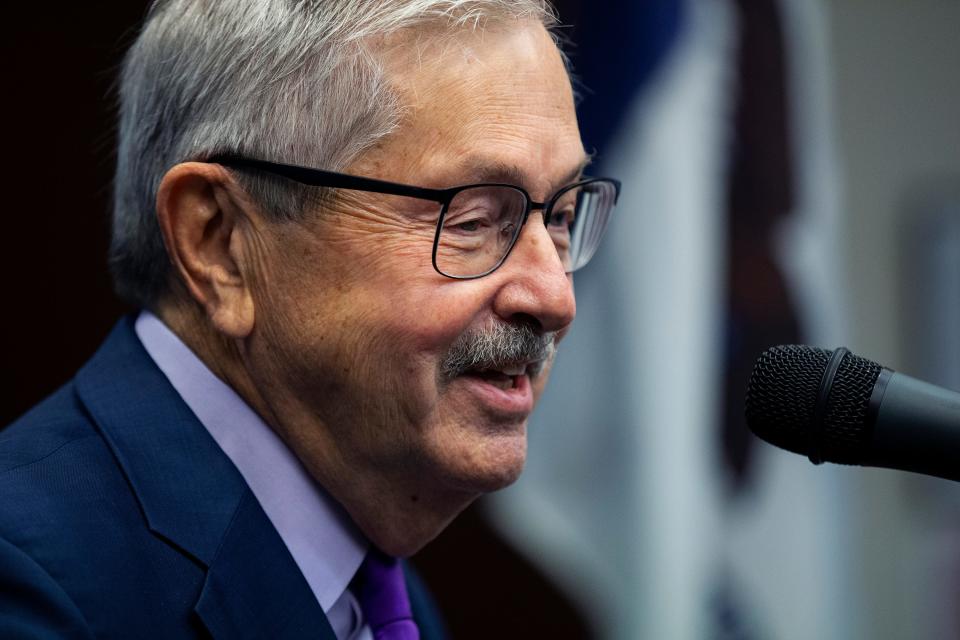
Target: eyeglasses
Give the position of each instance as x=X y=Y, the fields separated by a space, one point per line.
x=478 y=224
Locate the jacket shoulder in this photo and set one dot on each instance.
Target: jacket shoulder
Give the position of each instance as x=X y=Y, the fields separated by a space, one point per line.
x=74 y=542
x=51 y=425
x=32 y=603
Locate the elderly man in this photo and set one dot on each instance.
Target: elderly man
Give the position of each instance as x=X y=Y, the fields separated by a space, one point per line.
x=331 y=362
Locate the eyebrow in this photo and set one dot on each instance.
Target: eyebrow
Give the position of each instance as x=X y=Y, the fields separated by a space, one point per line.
x=480 y=170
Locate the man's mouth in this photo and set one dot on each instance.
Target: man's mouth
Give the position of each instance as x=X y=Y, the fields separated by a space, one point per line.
x=506 y=391
x=504 y=378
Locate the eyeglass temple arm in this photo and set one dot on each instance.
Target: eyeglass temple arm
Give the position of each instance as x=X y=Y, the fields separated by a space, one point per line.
x=334 y=180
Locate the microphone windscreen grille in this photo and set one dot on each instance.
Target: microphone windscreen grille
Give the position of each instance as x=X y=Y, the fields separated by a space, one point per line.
x=782 y=394
x=782 y=397
x=845 y=428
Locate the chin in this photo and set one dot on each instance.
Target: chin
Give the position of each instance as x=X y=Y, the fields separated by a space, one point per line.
x=495 y=464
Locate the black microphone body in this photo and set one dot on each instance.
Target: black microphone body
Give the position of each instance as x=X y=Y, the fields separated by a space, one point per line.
x=838 y=407
x=917 y=427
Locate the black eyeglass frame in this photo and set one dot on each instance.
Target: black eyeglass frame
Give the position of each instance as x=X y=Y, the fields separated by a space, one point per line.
x=335 y=180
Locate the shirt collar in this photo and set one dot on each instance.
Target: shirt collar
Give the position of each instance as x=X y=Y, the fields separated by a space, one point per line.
x=324 y=543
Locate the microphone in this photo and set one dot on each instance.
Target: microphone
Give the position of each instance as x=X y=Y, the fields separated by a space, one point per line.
x=835 y=406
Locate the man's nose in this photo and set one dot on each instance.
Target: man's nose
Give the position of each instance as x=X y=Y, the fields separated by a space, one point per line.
x=535 y=284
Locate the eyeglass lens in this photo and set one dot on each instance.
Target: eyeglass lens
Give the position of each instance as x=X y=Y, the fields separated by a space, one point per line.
x=482 y=224
x=591 y=213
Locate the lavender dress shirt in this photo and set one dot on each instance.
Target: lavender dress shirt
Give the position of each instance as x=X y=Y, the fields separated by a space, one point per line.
x=324 y=543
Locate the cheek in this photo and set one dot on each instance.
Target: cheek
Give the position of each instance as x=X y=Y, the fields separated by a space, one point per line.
x=421 y=312
x=370 y=343
x=362 y=313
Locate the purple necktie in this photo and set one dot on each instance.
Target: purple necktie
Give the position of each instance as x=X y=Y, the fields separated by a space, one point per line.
x=382 y=592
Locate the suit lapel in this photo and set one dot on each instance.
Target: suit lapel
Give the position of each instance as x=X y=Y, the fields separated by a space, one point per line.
x=194 y=498
x=254 y=589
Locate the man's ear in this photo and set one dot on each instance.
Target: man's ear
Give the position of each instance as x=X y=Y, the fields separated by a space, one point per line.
x=203 y=227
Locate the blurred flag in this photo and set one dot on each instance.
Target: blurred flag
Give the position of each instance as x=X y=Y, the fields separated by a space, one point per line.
x=789 y=546
x=619 y=499
x=642 y=495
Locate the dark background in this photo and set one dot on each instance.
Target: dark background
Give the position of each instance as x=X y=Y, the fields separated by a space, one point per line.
x=60 y=65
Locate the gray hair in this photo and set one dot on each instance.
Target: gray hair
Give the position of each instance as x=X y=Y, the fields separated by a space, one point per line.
x=286 y=80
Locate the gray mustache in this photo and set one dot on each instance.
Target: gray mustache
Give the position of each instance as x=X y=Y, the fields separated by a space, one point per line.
x=498 y=347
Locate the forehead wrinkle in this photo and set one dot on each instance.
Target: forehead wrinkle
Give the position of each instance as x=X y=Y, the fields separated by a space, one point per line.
x=475 y=169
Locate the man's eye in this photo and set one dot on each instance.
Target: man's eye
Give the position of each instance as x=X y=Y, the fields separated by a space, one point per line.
x=468 y=226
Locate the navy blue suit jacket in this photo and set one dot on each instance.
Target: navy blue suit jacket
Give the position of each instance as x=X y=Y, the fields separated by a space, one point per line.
x=120 y=517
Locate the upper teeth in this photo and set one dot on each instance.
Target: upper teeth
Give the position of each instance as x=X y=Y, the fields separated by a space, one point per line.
x=515 y=371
